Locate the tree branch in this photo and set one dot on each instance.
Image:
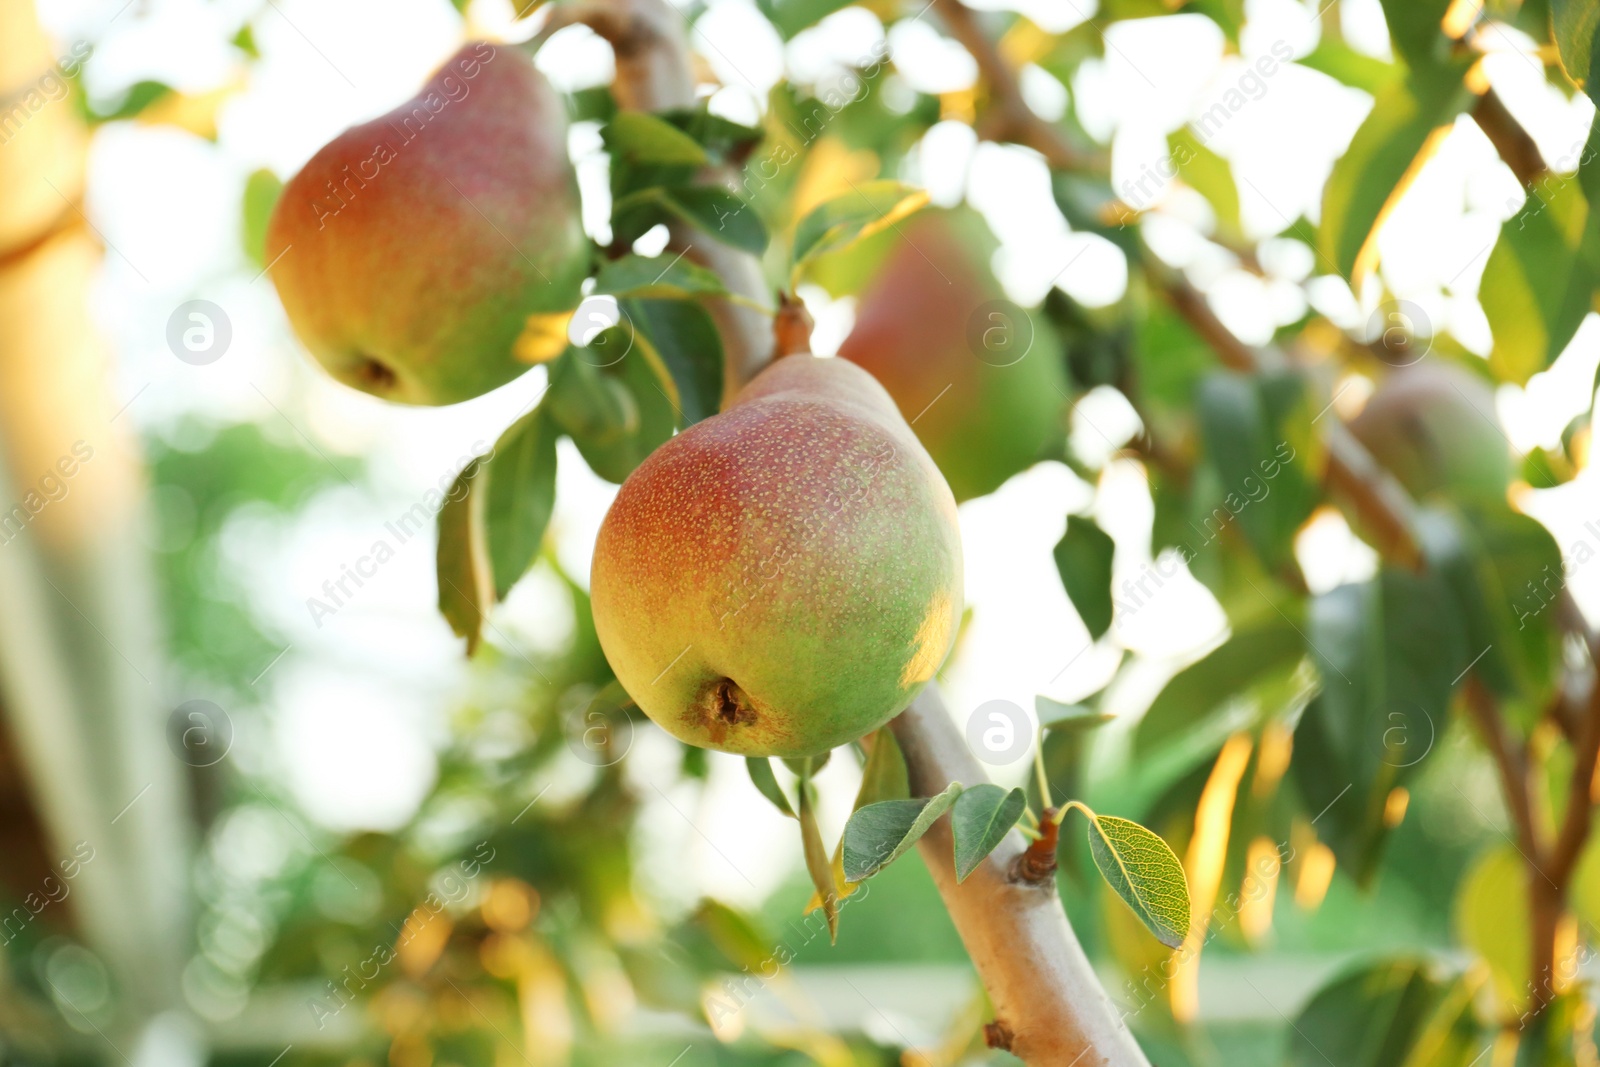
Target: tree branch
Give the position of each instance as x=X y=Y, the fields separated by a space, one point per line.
x=1519 y=151
x=1050 y=1006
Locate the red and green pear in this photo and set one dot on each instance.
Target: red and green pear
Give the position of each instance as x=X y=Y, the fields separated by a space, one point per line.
x=410 y=250
x=1433 y=425
x=781 y=578
x=985 y=391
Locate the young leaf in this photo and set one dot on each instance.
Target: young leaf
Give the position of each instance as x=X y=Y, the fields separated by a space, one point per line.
x=588 y=403
x=1207 y=174
x=1068 y=718
x=1083 y=558
x=720 y=214
x=685 y=339
x=1539 y=280
x=261 y=192
x=979 y=820
x=878 y=834
x=640 y=137
x=1143 y=871
x=817 y=863
x=466 y=586
x=1576 y=24
x=884 y=776
x=760 y=768
x=867 y=209
x=1397 y=138
x=520 y=495
x=660 y=277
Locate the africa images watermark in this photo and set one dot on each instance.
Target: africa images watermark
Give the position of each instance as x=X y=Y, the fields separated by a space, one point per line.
x=1249 y=86
x=405 y=526
x=52 y=890
x=1131 y=595
x=50 y=87
x=770 y=567
x=339 y=995
x=739 y=990
x=1542 y=590
x=816 y=115
x=451 y=90
x=52 y=488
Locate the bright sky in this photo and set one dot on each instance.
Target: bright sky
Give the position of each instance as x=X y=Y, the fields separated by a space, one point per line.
x=358 y=705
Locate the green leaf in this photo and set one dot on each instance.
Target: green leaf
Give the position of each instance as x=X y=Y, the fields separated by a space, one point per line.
x=1344 y=64
x=979 y=820
x=789 y=17
x=884 y=776
x=720 y=137
x=1503 y=568
x=1388 y=651
x=816 y=854
x=1262 y=446
x=1067 y=718
x=1560 y=1036
x=684 y=337
x=466 y=584
x=1393 y=1013
x=1209 y=175
x=760 y=768
x=660 y=277
x=1083 y=559
x=642 y=138
x=1540 y=279
x=1415 y=32
x=520 y=484
x=720 y=214
x=1144 y=872
x=880 y=833
x=588 y=403
x=1389 y=147
x=1255 y=654
x=261 y=192
x=869 y=208
x=1576 y=24
x=1491 y=916
x=140 y=95
x=633 y=372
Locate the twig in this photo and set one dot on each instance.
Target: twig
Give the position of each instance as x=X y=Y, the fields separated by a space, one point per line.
x=1519 y=150
x=1009 y=118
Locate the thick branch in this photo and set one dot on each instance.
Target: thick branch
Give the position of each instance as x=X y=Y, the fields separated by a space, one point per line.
x=1048 y=1003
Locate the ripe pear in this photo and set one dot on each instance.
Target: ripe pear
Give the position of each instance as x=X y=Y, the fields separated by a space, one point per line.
x=411 y=249
x=783 y=577
x=1433 y=425
x=985 y=390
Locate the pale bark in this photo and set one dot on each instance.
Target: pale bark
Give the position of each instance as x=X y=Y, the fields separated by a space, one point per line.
x=80 y=670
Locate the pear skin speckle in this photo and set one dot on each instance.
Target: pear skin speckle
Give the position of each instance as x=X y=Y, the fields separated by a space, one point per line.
x=784 y=577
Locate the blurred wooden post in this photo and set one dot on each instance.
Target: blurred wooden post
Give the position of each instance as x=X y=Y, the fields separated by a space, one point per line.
x=81 y=677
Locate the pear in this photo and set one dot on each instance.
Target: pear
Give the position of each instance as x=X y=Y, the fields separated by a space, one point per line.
x=983 y=383
x=411 y=249
x=1433 y=425
x=783 y=577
